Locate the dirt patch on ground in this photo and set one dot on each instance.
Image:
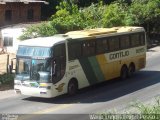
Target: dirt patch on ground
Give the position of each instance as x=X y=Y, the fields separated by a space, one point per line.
x=6 y=87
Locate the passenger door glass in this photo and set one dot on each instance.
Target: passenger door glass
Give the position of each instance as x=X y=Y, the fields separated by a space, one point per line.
x=59 y=63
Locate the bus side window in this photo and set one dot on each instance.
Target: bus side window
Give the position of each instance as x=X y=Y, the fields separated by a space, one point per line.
x=74 y=50
x=113 y=44
x=142 y=39
x=101 y=46
x=124 y=42
x=88 y=48
x=135 y=40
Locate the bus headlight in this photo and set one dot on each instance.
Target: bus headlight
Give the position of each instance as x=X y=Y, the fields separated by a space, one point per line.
x=17 y=83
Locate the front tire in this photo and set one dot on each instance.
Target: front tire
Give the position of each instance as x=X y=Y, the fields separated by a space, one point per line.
x=72 y=87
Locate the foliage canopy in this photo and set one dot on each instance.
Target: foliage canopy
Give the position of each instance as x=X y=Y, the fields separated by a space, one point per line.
x=70 y=16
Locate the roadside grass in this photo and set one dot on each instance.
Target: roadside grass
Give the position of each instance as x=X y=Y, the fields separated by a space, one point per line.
x=149 y=108
x=6 y=81
x=139 y=111
x=148 y=111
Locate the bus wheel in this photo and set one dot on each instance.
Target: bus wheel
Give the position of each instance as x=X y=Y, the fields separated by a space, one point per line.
x=72 y=87
x=131 y=69
x=124 y=73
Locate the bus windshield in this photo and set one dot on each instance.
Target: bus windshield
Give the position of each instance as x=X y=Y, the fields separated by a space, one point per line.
x=41 y=70
x=37 y=70
x=23 y=66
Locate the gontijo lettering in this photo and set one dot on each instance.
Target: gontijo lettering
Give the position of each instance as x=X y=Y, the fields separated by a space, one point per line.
x=118 y=55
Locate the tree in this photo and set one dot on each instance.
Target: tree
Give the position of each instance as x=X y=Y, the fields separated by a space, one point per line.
x=145 y=13
x=50 y=9
x=69 y=16
x=115 y=14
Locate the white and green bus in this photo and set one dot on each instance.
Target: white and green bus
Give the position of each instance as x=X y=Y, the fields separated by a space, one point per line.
x=52 y=66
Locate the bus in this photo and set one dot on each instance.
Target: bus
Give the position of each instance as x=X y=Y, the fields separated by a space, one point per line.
x=51 y=66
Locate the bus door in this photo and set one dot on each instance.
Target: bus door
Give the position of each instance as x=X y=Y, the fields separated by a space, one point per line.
x=59 y=62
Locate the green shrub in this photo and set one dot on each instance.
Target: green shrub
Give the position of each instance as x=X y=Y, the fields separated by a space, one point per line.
x=70 y=17
x=149 y=108
x=115 y=15
x=7 y=78
x=41 y=30
x=139 y=111
x=92 y=15
x=68 y=23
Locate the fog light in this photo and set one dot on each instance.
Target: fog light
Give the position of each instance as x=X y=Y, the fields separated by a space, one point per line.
x=43 y=92
x=47 y=87
x=18 y=91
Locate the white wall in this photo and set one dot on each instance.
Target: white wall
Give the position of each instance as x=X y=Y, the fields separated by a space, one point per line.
x=14 y=33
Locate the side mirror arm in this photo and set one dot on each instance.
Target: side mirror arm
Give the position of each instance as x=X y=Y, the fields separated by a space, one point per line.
x=54 y=69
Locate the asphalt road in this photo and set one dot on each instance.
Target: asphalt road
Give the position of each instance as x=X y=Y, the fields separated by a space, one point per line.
x=115 y=94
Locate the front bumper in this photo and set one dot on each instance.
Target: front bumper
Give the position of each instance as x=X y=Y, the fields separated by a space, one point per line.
x=34 y=89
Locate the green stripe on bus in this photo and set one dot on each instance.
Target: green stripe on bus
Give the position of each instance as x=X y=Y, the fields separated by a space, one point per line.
x=88 y=70
x=96 y=68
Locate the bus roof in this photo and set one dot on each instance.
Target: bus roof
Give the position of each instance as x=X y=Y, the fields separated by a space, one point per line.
x=104 y=31
x=86 y=34
x=44 y=41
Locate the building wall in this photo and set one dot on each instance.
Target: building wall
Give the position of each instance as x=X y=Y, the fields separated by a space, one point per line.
x=19 y=13
x=14 y=34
